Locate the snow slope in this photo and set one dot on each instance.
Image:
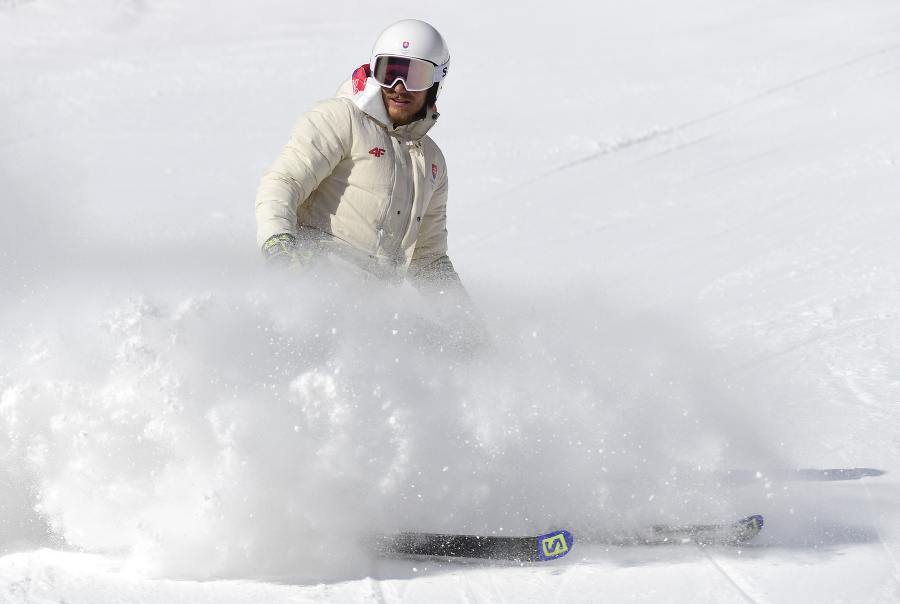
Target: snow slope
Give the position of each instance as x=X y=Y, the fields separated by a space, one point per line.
x=678 y=219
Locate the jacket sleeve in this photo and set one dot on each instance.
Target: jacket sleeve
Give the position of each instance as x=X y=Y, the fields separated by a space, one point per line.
x=321 y=138
x=433 y=275
x=430 y=270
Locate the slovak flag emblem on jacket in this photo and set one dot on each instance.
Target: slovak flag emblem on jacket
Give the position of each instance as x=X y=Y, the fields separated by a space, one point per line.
x=433 y=172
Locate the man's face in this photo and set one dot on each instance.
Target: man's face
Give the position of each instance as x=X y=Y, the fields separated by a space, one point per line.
x=401 y=104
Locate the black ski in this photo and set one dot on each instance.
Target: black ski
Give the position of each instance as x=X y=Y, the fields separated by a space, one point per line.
x=710 y=534
x=557 y=544
x=540 y=548
x=803 y=474
x=699 y=534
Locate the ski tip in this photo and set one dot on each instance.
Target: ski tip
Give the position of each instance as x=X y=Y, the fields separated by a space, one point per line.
x=554 y=545
x=803 y=474
x=839 y=473
x=749 y=527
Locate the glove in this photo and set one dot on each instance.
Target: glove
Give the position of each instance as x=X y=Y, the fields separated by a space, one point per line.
x=280 y=251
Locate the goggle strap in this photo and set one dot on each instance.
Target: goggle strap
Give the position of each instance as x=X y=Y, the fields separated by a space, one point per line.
x=440 y=71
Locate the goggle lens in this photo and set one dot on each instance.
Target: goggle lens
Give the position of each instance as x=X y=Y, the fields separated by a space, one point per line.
x=415 y=74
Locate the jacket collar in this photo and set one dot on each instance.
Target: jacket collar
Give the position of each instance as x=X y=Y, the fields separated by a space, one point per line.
x=366 y=94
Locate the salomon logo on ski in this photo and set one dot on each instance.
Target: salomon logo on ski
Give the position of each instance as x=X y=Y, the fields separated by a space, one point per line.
x=554 y=545
x=748 y=528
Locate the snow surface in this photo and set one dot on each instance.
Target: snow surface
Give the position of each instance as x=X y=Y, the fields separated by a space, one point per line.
x=679 y=219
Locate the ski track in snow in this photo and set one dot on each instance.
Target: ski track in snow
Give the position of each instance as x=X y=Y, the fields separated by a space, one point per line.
x=732 y=582
x=887 y=545
x=682 y=237
x=661 y=133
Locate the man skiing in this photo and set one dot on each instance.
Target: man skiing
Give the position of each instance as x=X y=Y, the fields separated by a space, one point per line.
x=360 y=181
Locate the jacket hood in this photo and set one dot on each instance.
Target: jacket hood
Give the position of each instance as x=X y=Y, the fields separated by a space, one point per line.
x=364 y=92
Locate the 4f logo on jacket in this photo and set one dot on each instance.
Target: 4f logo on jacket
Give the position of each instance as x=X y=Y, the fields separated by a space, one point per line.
x=376 y=152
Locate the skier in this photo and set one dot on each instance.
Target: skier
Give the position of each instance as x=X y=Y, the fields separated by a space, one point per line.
x=360 y=182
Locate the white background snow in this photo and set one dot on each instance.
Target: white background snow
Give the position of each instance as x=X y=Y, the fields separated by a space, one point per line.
x=679 y=219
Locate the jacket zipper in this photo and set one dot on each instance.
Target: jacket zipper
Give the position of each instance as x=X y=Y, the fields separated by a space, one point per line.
x=408 y=147
x=390 y=200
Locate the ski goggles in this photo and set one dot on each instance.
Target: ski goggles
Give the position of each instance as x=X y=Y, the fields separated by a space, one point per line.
x=416 y=74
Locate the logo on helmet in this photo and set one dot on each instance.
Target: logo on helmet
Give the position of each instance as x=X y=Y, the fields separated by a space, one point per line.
x=406 y=46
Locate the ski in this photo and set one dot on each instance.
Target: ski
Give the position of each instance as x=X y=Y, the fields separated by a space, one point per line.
x=556 y=544
x=698 y=534
x=540 y=548
x=803 y=474
x=709 y=534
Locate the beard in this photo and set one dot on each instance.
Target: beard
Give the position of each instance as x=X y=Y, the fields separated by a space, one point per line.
x=403 y=107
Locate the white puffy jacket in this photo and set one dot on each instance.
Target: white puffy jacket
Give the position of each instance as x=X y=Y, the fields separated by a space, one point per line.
x=374 y=193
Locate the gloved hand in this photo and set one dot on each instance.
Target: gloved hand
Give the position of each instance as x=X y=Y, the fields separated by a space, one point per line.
x=280 y=251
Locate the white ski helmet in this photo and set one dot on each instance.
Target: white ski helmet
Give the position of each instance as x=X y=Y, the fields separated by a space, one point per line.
x=414 y=39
